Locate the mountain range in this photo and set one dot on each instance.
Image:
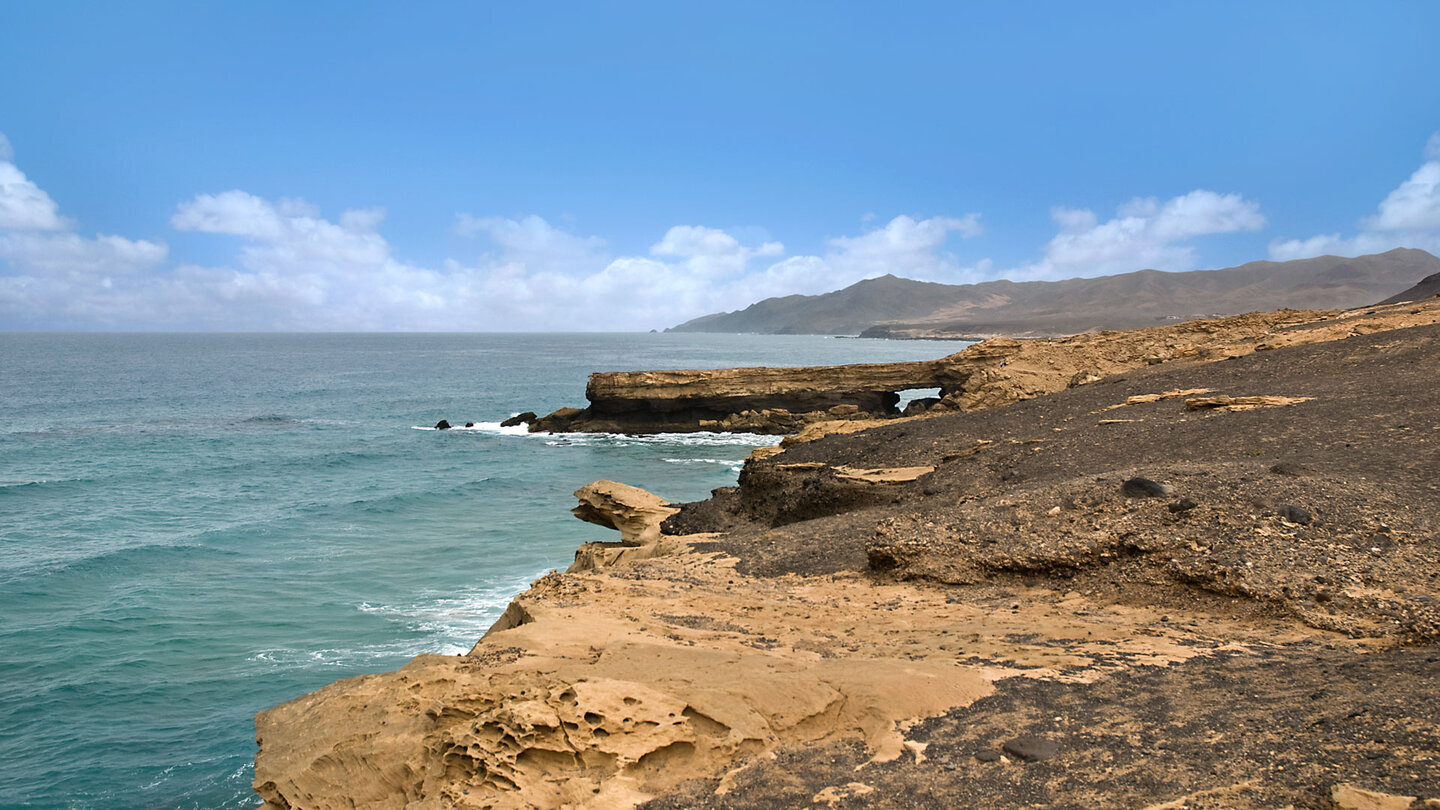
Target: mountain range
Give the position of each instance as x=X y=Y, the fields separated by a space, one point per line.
x=890 y=306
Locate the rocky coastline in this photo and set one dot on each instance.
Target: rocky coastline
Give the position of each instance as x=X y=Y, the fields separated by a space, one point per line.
x=1190 y=566
x=993 y=372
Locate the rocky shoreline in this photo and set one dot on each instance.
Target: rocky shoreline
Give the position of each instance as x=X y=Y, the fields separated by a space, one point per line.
x=1191 y=566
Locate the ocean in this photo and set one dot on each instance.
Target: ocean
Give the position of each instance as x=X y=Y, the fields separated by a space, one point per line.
x=194 y=527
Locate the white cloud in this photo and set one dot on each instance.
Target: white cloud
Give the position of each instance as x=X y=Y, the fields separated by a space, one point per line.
x=1414 y=206
x=55 y=273
x=295 y=268
x=1144 y=234
x=691 y=270
x=710 y=252
x=23 y=205
x=1409 y=216
x=533 y=241
x=903 y=246
x=69 y=253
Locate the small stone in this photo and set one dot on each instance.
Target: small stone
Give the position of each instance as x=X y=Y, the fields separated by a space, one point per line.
x=1181 y=506
x=1290 y=469
x=1031 y=749
x=1138 y=487
x=1295 y=514
x=987 y=756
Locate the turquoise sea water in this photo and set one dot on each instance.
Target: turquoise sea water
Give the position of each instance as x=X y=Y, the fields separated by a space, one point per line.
x=195 y=527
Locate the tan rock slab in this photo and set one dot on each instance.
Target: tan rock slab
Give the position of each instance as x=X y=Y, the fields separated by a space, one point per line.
x=882 y=475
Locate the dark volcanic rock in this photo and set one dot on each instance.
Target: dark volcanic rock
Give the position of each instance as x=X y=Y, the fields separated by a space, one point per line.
x=442 y=425
x=1295 y=514
x=556 y=421
x=1182 y=506
x=520 y=419
x=1031 y=749
x=1139 y=487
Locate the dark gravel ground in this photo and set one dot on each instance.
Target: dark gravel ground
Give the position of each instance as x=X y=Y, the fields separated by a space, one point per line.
x=1289 y=723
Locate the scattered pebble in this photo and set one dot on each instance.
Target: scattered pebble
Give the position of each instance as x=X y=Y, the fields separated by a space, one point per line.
x=987 y=756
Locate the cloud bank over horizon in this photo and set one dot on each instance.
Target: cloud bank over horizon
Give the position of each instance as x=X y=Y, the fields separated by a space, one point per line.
x=294 y=269
x=1409 y=216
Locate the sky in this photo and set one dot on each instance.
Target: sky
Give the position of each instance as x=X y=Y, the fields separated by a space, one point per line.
x=419 y=166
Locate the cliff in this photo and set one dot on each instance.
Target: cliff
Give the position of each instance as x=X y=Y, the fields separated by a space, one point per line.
x=1188 y=583
x=897 y=307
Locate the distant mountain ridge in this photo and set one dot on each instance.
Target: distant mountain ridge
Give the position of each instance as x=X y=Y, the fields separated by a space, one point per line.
x=889 y=306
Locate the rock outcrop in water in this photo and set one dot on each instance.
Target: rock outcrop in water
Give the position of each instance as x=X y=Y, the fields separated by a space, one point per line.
x=1094 y=597
x=762 y=400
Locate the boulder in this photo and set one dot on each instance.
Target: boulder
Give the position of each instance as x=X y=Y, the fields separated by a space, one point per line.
x=442 y=425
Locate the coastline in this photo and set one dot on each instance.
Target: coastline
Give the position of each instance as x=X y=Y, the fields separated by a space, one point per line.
x=831 y=632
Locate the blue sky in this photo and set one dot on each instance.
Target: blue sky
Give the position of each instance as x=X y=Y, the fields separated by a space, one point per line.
x=620 y=166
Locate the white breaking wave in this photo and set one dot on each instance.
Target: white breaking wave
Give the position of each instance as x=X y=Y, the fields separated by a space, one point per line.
x=451 y=625
x=482 y=427
x=733 y=464
x=702 y=438
x=455 y=622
